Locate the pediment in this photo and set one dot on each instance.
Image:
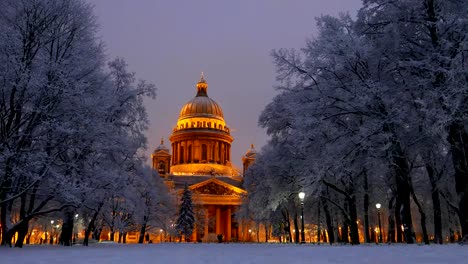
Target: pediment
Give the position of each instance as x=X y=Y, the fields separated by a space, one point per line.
x=216 y=187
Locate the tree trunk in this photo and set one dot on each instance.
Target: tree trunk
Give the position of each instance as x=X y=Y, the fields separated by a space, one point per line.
x=296 y=228
x=400 y=168
x=22 y=230
x=366 y=208
x=91 y=226
x=344 y=233
x=458 y=139
x=66 y=236
x=403 y=191
x=124 y=238
x=400 y=235
x=112 y=235
x=142 y=233
x=423 y=218
x=391 y=222
x=328 y=220
x=318 y=222
x=3 y=222
x=345 y=230
x=435 y=204
x=353 y=225
x=97 y=233
x=28 y=238
x=287 y=227
x=88 y=230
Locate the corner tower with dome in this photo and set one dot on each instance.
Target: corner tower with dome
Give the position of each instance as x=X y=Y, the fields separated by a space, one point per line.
x=201 y=158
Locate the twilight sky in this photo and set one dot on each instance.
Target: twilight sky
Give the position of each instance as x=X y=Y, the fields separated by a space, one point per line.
x=170 y=42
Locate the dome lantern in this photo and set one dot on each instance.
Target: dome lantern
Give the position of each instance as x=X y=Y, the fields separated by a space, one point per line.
x=202 y=86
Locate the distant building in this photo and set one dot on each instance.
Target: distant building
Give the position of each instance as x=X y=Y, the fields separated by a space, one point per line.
x=201 y=157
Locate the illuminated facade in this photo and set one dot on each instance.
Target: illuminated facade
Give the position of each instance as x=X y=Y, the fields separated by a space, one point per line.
x=201 y=158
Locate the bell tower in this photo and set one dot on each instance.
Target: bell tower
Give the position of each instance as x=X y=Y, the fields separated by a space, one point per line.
x=161 y=159
x=248 y=158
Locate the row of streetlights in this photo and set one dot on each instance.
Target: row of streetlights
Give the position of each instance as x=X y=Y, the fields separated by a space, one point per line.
x=301 y=198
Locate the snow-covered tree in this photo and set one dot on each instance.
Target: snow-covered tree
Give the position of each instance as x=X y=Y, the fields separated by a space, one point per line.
x=72 y=127
x=186 y=220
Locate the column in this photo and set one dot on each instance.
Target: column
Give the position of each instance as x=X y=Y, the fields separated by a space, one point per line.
x=229 y=227
x=178 y=152
x=208 y=151
x=216 y=152
x=240 y=231
x=207 y=221
x=172 y=157
x=225 y=153
x=218 y=220
x=193 y=150
x=175 y=153
x=222 y=153
x=194 y=234
x=185 y=151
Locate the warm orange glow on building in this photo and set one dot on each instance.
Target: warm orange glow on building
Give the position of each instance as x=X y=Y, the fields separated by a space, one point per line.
x=201 y=157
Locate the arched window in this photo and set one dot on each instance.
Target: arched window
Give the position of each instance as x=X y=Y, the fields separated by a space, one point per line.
x=181 y=155
x=189 y=157
x=162 y=168
x=203 y=152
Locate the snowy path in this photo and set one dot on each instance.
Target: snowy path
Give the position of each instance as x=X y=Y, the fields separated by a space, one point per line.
x=235 y=253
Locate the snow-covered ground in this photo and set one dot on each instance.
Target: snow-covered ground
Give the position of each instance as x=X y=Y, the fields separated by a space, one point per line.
x=235 y=253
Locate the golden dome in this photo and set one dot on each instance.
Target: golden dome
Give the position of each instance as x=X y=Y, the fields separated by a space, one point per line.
x=201 y=105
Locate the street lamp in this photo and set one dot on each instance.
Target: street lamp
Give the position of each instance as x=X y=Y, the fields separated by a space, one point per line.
x=380 y=227
x=301 y=197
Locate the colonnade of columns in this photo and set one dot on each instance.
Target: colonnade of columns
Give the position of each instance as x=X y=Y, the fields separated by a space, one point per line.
x=221 y=224
x=205 y=152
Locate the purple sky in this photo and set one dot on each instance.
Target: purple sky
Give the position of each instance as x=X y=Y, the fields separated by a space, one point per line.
x=170 y=42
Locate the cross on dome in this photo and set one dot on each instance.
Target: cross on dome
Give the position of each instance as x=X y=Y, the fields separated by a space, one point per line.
x=202 y=78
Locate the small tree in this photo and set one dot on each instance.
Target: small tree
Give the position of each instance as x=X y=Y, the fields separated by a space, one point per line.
x=186 y=221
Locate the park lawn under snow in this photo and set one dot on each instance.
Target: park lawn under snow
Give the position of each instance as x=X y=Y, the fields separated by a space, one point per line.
x=235 y=253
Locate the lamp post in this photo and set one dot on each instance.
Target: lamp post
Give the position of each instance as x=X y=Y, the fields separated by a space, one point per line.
x=380 y=227
x=301 y=197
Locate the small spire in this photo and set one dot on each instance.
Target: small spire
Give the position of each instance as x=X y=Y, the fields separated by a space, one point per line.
x=162 y=140
x=251 y=146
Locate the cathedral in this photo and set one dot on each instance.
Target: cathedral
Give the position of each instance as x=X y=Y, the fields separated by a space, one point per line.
x=200 y=158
